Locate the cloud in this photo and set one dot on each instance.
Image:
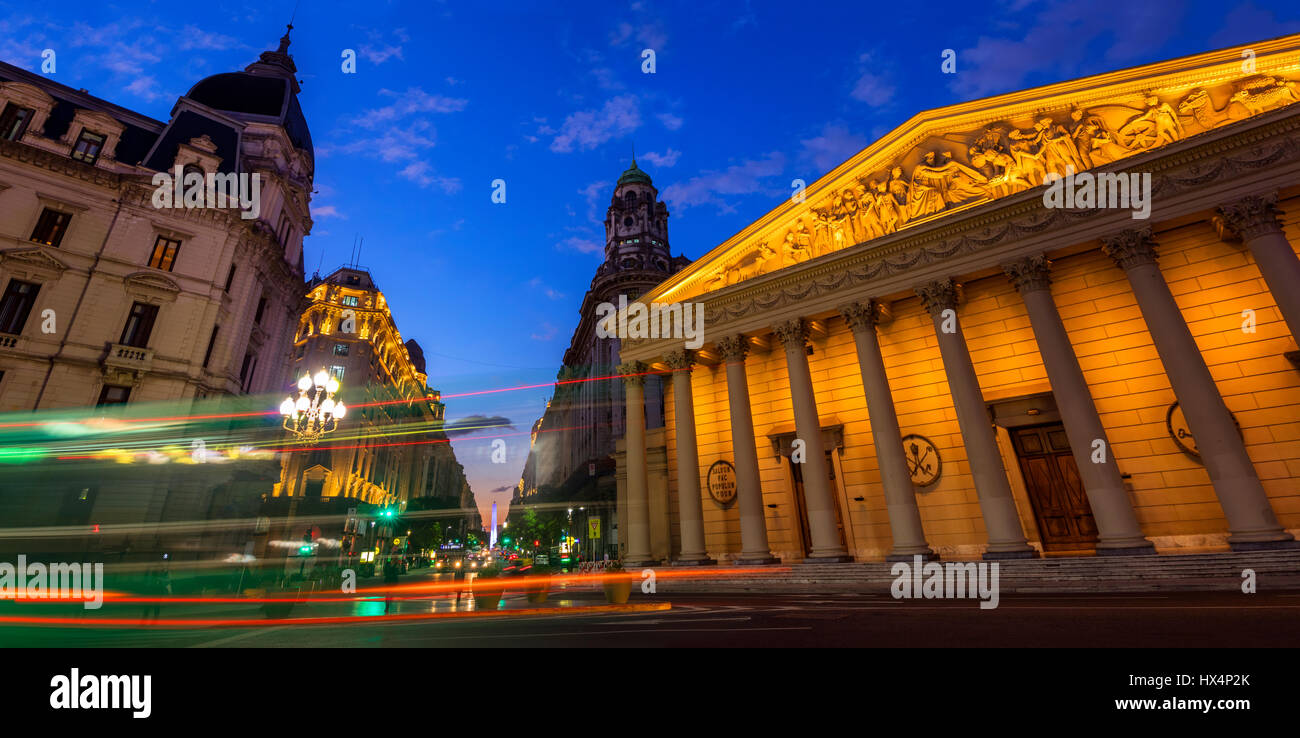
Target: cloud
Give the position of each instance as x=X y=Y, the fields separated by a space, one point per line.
x=587 y=129
x=1242 y=25
x=380 y=55
x=670 y=121
x=546 y=290
x=327 y=211
x=594 y=194
x=1063 y=40
x=192 y=38
x=413 y=100
x=739 y=179
x=471 y=424
x=831 y=147
x=666 y=159
x=871 y=88
x=547 y=333
x=145 y=87
x=421 y=173
x=581 y=245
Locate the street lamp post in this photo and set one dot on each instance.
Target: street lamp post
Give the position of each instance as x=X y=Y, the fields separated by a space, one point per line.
x=315 y=412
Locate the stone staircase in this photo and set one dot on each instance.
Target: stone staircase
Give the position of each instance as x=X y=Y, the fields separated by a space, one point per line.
x=1274 y=570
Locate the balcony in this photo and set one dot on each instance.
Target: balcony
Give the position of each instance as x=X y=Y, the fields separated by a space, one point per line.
x=123 y=358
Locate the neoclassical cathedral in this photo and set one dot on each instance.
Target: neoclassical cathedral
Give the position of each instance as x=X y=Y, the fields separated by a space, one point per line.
x=930 y=354
x=586 y=414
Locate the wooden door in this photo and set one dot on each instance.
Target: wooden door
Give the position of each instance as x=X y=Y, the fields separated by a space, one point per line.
x=801 y=505
x=1055 y=490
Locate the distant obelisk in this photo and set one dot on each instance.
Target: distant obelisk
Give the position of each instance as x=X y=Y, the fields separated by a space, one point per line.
x=492 y=538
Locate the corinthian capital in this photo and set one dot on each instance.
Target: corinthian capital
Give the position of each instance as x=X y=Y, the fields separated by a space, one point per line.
x=1251 y=216
x=862 y=316
x=939 y=295
x=793 y=334
x=633 y=372
x=1130 y=248
x=680 y=360
x=1030 y=273
x=733 y=348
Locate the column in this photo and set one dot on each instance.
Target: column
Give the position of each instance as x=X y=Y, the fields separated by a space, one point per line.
x=1254 y=218
x=1006 y=539
x=900 y=497
x=749 y=495
x=1117 y=525
x=690 y=510
x=1251 y=522
x=638 y=493
x=818 y=499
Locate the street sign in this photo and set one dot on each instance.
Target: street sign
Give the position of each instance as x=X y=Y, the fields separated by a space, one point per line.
x=593 y=527
x=263 y=525
x=542 y=559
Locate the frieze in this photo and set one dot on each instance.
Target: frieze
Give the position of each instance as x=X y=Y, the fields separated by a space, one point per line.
x=946 y=172
x=899 y=254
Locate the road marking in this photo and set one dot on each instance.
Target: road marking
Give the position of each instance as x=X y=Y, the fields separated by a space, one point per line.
x=612 y=632
x=672 y=620
x=239 y=637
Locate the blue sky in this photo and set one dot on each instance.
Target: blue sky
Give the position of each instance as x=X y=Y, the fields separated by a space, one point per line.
x=551 y=98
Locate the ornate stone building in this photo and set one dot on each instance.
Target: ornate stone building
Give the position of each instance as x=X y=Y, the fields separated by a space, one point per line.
x=115 y=297
x=585 y=416
x=391 y=449
x=940 y=353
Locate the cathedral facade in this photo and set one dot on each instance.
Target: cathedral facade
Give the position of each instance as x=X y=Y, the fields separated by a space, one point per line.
x=1061 y=321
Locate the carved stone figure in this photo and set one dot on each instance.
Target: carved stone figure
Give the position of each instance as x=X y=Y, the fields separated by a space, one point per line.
x=1059 y=150
x=888 y=211
x=1265 y=92
x=1200 y=107
x=901 y=192
x=991 y=155
x=954 y=182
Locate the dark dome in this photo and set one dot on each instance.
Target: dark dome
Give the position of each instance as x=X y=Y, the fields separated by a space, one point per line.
x=634 y=174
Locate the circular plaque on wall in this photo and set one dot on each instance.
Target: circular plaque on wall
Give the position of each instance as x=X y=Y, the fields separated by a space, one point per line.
x=923 y=462
x=721 y=481
x=1182 y=434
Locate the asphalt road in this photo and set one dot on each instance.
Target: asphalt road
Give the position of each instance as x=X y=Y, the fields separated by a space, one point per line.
x=757 y=620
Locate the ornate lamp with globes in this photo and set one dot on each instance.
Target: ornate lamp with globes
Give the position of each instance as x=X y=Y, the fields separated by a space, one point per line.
x=315 y=412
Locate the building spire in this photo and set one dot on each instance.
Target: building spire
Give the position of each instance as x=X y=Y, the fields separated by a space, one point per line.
x=284 y=40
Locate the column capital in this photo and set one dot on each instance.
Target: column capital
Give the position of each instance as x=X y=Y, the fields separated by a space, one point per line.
x=733 y=348
x=633 y=372
x=1030 y=273
x=680 y=360
x=939 y=295
x=1130 y=248
x=793 y=334
x=863 y=316
x=1252 y=215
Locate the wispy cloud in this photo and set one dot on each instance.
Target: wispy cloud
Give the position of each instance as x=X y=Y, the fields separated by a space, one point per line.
x=545 y=289
x=666 y=159
x=587 y=129
x=670 y=121
x=831 y=147
x=545 y=332
x=413 y=100
x=710 y=187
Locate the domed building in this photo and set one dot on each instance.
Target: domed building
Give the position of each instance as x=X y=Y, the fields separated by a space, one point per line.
x=158 y=292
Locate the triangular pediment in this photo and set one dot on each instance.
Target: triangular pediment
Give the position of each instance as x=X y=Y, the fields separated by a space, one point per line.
x=952 y=159
x=31 y=258
x=152 y=282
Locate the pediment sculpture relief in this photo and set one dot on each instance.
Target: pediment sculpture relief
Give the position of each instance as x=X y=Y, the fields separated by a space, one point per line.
x=999 y=159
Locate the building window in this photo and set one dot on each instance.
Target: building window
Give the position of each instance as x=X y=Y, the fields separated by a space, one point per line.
x=88 y=146
x=286 y=227
x=336 y=371
x=139 y=325
x=164 y=253
x=350 y=300
x=212 y=341
x=13 y=122
x=340 y=349
x=261 y=310
x=113 y=395
x=246 y=371
x=302 y=351
x=17 y=305
x=51 y=227
x=230 y=277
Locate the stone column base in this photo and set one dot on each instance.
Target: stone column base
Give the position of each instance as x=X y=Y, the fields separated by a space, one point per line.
x=706 y=561
x=994 y=555
x=765 y=561
x=644 y=564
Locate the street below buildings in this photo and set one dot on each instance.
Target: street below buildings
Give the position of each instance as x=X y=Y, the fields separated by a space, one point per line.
x=1173 y=619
